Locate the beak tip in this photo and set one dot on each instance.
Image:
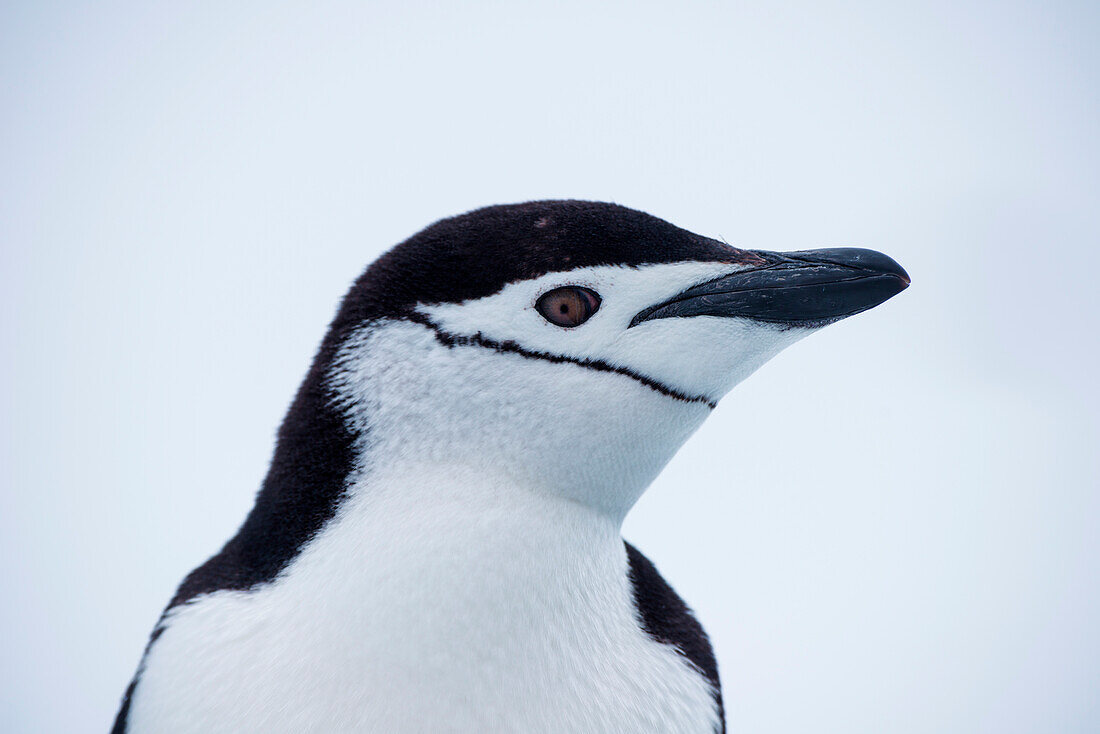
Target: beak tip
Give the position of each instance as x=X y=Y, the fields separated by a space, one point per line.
x=889 y=265
x=871 y=261
x=856 y=257
x=902 y=277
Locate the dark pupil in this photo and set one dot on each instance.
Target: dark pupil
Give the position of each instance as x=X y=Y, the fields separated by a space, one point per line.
x=564 y=308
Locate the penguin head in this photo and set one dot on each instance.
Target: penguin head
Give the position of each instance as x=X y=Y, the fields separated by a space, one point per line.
x=570 y=347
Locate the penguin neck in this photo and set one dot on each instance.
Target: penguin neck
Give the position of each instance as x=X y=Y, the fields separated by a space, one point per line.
x=451 y=511
x=429 y=547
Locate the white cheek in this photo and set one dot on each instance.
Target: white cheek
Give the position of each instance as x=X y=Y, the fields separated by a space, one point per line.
x=550 y=426
x=707 y=355
x=700 y=356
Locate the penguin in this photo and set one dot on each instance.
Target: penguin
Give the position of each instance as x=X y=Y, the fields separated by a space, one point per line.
x=436 y=546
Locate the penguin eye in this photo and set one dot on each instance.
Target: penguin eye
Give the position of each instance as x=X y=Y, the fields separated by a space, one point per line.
x=568 y=306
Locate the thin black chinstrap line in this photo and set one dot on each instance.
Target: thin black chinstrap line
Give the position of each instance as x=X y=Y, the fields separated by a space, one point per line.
x=510 y=347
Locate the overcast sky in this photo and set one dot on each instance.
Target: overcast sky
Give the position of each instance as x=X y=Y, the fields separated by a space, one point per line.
x=892 y=527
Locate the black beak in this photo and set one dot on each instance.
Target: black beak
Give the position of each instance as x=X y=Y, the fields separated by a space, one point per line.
x=809 y=288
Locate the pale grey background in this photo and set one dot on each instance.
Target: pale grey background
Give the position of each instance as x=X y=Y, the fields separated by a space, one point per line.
x=891 y=528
